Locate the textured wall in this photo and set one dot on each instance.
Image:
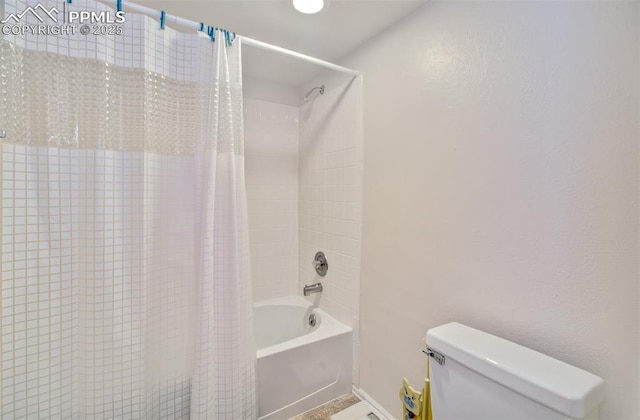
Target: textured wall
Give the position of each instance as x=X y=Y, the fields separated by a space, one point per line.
x=501 y=187
x=271 y=151
x=330 y=197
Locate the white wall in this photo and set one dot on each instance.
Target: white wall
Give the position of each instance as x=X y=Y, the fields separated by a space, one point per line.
x=330 y=197
x=501 y=187
x=271 y=157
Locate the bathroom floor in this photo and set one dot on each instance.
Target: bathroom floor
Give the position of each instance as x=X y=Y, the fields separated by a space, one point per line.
x=325 y=411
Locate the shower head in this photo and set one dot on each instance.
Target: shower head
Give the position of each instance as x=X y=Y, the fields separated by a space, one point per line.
x=313 y=93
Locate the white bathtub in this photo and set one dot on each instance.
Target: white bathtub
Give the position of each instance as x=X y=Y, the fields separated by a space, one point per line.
x=299 y=366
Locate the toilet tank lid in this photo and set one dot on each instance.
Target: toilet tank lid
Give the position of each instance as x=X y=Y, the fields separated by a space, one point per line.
x=555 y=384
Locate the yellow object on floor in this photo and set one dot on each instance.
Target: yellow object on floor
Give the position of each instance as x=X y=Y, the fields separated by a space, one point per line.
x=416 y=405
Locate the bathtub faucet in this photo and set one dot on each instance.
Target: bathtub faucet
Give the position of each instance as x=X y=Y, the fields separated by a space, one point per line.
x=314 y=288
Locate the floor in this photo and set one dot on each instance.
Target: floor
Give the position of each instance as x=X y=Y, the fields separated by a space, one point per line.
x=325 y=411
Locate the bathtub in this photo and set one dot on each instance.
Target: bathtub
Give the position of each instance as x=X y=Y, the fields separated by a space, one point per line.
x=299 y=366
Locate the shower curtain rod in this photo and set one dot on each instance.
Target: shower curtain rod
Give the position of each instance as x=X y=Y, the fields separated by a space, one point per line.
x=245 y=40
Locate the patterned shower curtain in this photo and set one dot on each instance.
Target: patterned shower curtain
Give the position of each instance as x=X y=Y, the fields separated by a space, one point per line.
x=125 y=268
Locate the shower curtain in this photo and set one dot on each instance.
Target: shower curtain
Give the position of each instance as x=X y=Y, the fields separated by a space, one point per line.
x=125 y=267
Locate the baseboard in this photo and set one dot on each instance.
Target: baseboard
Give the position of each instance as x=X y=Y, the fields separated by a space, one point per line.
x=378 y=409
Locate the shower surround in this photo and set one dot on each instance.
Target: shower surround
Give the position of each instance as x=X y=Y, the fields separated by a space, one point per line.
x=304 y=177
x=330 y=188
x=271 y=153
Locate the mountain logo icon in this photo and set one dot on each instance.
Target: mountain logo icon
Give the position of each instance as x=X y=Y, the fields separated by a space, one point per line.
x=39 y=11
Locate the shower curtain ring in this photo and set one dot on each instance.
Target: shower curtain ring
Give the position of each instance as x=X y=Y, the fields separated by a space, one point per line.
x=229 y=37
x=162 y=19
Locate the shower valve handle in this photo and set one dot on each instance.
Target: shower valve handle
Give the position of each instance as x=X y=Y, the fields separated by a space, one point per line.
x=320 y=264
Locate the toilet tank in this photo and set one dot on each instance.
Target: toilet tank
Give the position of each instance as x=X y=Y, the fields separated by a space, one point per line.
x=487 y=377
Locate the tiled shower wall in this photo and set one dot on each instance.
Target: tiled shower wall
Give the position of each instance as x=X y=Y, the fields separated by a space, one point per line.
x=304 y=179
x=271 y=158
x=330 y=183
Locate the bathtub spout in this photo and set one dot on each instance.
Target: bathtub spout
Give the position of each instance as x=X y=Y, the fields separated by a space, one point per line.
x=314 y=288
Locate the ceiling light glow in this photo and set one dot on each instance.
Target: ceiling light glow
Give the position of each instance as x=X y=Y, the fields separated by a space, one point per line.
x=308 y=6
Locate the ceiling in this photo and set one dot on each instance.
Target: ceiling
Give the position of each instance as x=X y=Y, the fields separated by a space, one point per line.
x=342 y=26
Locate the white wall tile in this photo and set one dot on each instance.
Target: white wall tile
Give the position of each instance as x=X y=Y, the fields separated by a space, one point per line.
x=271 y=153
x=329 y=192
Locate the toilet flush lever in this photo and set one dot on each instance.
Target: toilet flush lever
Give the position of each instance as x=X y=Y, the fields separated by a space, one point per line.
x=3 y=134
x=435 y=355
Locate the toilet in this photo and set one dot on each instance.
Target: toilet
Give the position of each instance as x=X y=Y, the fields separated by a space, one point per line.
x=475 y=375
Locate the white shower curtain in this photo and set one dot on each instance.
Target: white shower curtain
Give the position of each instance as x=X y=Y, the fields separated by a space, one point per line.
x=125 y=268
